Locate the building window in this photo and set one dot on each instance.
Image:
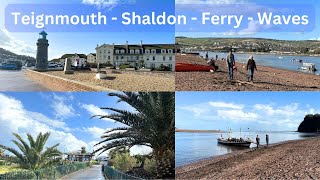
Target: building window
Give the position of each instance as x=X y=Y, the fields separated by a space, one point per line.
x=109 y=58
x=170 y=58
x=170 y=51
x=122 y=51
x=117 y=58
x=109 y=51
x=148 y=58
x=137 y=51
x=163 y=51
x=153 y=51
x=131 y=51
x=153 y=65
x=170 y=66
x=164 y=58
x=100 y=51
x=121 y=57
x=154 y=58
x=147 y=51
x=117 y=51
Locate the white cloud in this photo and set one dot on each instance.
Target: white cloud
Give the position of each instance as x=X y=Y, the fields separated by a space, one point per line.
x=237 y=115
x=140 y=150
x=95 y=131
x=208 y=1
x=61 y=108
x=288 y=110
x=226 y=105
x=110 y=4
x=288 y=116
x=14 y=118
x=93 y=110
x=8 y=42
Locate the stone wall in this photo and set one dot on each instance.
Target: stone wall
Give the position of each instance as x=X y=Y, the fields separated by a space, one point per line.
x=59 y=84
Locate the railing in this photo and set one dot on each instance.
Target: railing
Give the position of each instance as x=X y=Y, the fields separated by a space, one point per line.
x=111 y=173
x=48 y=173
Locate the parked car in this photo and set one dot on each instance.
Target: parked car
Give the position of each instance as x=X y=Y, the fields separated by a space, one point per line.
x=9 y=67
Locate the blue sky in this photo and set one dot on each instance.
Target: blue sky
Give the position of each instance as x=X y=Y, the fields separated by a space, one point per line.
x=277 y=111
x=80 y=42
x=66 y=115
x=76 y=42
x=313 y=35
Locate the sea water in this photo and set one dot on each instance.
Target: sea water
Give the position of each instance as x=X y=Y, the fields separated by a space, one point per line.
x=272 y=60
x=192 y=147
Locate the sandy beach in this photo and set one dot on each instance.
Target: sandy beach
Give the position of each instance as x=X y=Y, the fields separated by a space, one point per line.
x=265 y=79
x=125 y=81
x=289 y=160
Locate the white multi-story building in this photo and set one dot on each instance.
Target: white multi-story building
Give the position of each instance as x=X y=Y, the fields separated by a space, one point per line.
x=91 y=58
x=147 y=55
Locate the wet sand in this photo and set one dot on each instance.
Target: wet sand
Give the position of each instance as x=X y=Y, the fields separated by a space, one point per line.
x=289 y=160
x=265 y=79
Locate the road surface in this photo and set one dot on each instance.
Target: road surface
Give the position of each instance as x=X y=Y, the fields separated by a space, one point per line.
x=93 y=173
x=17 y=81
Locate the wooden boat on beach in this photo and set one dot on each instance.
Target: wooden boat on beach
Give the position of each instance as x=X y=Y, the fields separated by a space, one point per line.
x=235 y=142
x=186 y=67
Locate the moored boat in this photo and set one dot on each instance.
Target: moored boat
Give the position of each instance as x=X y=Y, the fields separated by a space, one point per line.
x=235 y=142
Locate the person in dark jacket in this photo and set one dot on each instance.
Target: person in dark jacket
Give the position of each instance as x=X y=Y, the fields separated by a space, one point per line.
x=267 y=139
x=251 y=66
x=258 y=141
x=230 y=64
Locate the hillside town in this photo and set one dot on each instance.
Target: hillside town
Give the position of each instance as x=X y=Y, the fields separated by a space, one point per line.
x=248 y=45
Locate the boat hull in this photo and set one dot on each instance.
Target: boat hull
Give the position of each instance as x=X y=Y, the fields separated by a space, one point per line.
x=242 y=144
x=185 y=67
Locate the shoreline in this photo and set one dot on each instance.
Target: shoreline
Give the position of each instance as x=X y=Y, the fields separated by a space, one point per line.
x=198 y=131
x=253 y=164
x=265 y=79
x=266 y=53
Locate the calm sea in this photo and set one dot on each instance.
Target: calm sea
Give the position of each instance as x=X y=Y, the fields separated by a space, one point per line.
x=191 y=147
x=271 y=60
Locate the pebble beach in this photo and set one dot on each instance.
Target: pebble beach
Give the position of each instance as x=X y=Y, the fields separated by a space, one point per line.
x=126 y=81
x=289 y=160
x=265 y=79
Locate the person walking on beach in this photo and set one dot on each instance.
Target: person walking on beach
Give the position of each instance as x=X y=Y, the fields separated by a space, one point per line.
x=230 y=63
x=267 y=139
x=258 y=141
x=251 y=66
x=212 y=64
x=216 y=57
x=207 y=56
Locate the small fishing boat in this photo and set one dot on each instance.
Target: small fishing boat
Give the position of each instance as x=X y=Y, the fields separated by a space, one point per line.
x=280 y=57
x=235 y=142
x=309 y=67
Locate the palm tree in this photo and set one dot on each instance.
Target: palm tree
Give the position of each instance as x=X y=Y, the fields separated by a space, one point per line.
x=151 y=124
x=83 y=150
x=33 y=156
x=1 y=152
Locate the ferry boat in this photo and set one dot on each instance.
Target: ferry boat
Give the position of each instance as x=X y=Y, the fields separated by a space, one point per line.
x=235 y=142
